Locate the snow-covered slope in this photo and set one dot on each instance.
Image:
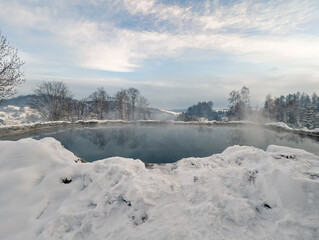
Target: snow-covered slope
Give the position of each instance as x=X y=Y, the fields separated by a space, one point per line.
x=163 y=115
x=12 y=115
x=243 y=193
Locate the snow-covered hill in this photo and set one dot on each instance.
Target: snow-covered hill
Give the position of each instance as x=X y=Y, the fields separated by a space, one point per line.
x=14 y=115
x=18 y=110
x=243 y=193
x=163 y=115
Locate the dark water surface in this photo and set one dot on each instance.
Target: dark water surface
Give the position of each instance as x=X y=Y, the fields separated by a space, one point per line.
x=169 y=143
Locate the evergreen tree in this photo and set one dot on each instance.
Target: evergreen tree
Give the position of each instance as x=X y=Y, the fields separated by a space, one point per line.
x=295 y=109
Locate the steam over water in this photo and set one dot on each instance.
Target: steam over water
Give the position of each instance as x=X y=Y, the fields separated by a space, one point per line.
x=164 y=144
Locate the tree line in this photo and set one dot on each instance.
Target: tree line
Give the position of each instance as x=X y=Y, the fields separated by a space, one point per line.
x=298 y=109
x=55 y=102
x=239 y=108
x=202 y=110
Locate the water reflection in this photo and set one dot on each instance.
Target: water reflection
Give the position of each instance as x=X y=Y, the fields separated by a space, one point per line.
x=101 y=138
x=162 y=144
x=291 y=138
x=204 y=129
x=95 y=137
x=237 y=137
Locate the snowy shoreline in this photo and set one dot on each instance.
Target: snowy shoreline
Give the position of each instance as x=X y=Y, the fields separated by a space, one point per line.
x=11 y=130
x=242 y=193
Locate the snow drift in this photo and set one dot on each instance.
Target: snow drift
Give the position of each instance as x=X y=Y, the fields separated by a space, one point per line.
x=243 y=193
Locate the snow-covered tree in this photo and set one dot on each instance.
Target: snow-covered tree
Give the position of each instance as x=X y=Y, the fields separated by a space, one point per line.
x=309 y=117
x=239 y=103
x=294 y=109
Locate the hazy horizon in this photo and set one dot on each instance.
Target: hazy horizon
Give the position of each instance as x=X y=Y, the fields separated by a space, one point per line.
x=176 y=53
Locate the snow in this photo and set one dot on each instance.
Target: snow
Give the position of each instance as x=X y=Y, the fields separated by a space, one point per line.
x=304 y=131
x=13 y=115
x=315 y=130
x=279 y=125
x=242 y=193
x=170 y=112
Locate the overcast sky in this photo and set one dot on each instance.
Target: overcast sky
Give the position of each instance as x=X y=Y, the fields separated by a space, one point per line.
x=176 y=52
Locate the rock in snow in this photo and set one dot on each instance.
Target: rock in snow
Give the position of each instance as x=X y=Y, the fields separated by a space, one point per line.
x=243 y=193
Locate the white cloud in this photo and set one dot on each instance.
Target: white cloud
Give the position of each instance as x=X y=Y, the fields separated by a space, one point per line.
x=269 y=16
x=250 y=31
x=94 y=44
x=139 y=6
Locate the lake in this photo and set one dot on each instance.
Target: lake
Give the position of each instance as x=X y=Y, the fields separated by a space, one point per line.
x=166 y=143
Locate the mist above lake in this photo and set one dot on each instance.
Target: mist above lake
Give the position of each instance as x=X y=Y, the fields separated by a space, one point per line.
x=167 y=143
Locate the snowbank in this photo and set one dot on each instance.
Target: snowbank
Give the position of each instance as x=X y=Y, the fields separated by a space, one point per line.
x=279 y=125
x=315 y=130
x=243 y=193
x=285 y=127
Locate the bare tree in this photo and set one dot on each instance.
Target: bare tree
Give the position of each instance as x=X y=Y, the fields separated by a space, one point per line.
x=10 y=74
x=52 y=100
x=98 y=101
x=80 y=109
x=143 y=108
x=122 y=101
x=133 y=94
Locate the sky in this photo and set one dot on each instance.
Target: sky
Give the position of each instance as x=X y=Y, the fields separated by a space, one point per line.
x=175 y=52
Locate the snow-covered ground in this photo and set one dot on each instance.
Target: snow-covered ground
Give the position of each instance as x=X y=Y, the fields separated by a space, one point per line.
x=243 y=193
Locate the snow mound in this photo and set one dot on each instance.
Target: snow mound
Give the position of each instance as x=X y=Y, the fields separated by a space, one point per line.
x=243 y=193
